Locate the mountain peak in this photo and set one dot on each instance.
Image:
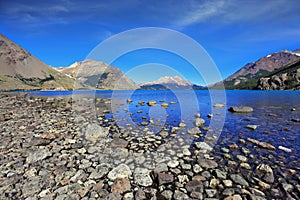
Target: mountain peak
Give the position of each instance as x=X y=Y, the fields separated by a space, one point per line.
x=169 y=82
x=97 y=74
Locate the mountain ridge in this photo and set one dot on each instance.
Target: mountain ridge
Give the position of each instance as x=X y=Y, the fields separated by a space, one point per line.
x=169 y=82
x=91 y=74
x=247 y=76
x=20 y=70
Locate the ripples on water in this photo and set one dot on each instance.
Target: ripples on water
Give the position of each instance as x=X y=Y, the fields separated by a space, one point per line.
x=272 y=112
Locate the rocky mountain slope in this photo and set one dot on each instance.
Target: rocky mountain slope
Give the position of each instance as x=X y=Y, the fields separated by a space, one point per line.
x=21 y=70
x=247 y=76
x=285 y=78
x=94 y=74
x=169 y=82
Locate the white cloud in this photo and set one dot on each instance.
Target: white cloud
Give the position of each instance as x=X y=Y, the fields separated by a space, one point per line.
x=200 y=12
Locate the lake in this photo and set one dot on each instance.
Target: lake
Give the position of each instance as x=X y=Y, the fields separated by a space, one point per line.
x=272 y=113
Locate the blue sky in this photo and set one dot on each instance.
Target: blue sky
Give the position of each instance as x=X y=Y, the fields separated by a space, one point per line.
x=233 y=32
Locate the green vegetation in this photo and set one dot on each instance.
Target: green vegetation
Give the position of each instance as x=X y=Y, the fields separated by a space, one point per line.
x=251 y=81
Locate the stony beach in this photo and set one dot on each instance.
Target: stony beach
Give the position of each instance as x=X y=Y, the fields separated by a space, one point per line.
x=48 y=150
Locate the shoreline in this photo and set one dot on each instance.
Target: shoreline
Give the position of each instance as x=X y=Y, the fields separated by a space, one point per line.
x=49 y=150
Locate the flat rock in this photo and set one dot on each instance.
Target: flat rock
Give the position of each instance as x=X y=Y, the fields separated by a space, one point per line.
x=236 y=178
x=252 y=127
x=241 y=109
x=285 y=149
x=37 y=155
x=203 y=147
x=164 y=178
x=220 y=174
x=100 y=171
x=264 y=145
x=194 y=186
x=208 y=164
x=219 y=105
x=93 y=132
x=121 y=171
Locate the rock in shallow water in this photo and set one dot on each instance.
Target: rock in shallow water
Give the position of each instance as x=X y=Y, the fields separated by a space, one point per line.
x=203 y=147
x=252 y=127
x=199 y=122
x=241 y=109
x=285 y=149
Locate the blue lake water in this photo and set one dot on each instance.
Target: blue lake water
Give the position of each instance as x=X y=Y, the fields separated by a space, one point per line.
x=272 y=113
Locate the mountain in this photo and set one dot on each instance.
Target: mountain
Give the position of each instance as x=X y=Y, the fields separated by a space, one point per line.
x=19 y=70
x=91 y=74
x=248 y=76
x=285 y=78
x=169 y=82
